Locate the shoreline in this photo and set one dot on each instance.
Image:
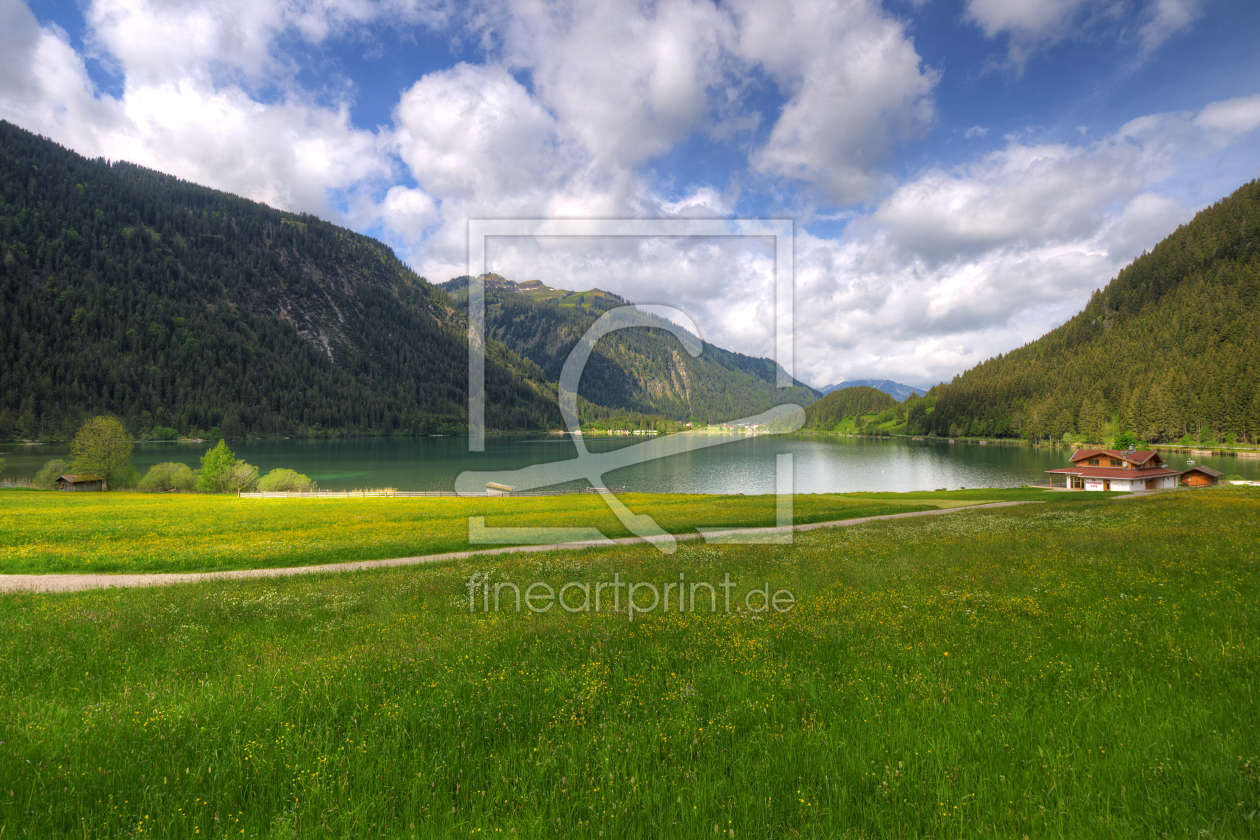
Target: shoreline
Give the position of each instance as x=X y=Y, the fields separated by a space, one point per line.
x=1197 y=449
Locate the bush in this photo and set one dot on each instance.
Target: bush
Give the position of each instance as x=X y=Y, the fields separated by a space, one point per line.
x=46 y=478
x=243 y=476
x=124 y=477
x=279 y=480
x=163 y=478
x=164 y=433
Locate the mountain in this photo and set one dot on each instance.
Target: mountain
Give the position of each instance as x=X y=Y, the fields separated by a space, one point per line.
x=1168 y=349
x=854 y=401
x=125 y=290
x=640 y=370
x=893 y=389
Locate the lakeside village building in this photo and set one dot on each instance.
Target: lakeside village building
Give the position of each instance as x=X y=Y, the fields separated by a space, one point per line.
x=1111 y=469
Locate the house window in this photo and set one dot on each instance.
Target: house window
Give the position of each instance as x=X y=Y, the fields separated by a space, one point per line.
x=1093 y=462
x=1116 y=463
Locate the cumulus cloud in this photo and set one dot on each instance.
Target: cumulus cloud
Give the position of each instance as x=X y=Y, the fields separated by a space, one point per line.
x=474 y=131
x=1029 y=24
x=855 y=88
x=154 y=41
x=292 y=153
x=44 y=85
x=957 y=265
x=628 y=80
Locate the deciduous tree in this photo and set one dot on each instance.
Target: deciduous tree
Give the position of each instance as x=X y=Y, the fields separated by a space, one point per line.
x=101 y=447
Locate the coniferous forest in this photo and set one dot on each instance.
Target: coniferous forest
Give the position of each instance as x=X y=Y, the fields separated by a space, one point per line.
x=174 y=306
x=854 y=401
x=1168 y=350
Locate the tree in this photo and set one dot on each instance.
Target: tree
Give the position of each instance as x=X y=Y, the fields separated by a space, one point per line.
x=3 y=464
x=231 y=426
x=101 y=447
x=1125 y=440
x=216 y=469
x=221 y=472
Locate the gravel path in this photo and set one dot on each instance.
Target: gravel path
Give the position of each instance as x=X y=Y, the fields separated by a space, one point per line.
x=74 y=583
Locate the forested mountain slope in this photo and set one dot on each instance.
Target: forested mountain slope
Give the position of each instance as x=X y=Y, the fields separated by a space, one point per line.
x=1169 y=348
x=854 y=401
x=644 y=370
x=129 y=291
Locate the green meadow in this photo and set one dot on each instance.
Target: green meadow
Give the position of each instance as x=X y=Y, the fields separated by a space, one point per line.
x=1085 y=667
x=44 y=531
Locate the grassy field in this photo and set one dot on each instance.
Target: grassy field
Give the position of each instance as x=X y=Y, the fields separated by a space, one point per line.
x=43 y=532
x=1080 y=668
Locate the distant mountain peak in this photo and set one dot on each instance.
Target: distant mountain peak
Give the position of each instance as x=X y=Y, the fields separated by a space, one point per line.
x=896 y=390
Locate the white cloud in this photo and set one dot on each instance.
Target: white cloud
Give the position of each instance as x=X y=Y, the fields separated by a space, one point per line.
x=1164 y=18
x=1032 y=20
x=474 y=132
x=1230 y=118
x=855 y=88
x=156 y=42
x=44 y=85
x=290 y=154
x=627 y=80
x=958 y=265
x=1018 y=195
x=1032 y=25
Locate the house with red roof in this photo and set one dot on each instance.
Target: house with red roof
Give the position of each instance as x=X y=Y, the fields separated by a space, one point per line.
x=1114 y=469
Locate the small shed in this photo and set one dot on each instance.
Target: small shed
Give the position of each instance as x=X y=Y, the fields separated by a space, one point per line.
x=1200 y=477
x=78 y=483
x=495 y=489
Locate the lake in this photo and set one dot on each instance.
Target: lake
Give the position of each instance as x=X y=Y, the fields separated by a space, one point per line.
x=741 y=465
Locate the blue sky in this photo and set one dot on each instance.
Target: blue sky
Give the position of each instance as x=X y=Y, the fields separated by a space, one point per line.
x=962 y=173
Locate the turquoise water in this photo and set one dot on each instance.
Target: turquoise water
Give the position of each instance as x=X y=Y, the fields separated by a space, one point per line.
x=743 y=465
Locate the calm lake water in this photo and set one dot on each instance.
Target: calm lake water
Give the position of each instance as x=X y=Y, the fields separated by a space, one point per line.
x=742 y=465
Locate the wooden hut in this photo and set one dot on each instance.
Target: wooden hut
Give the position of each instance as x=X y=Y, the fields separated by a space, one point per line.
x=1200 y=477
x=79 y=483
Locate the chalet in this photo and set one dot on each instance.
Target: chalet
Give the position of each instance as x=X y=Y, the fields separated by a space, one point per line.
x=75 y=483
x=1200 y=477
x=1113 y=469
